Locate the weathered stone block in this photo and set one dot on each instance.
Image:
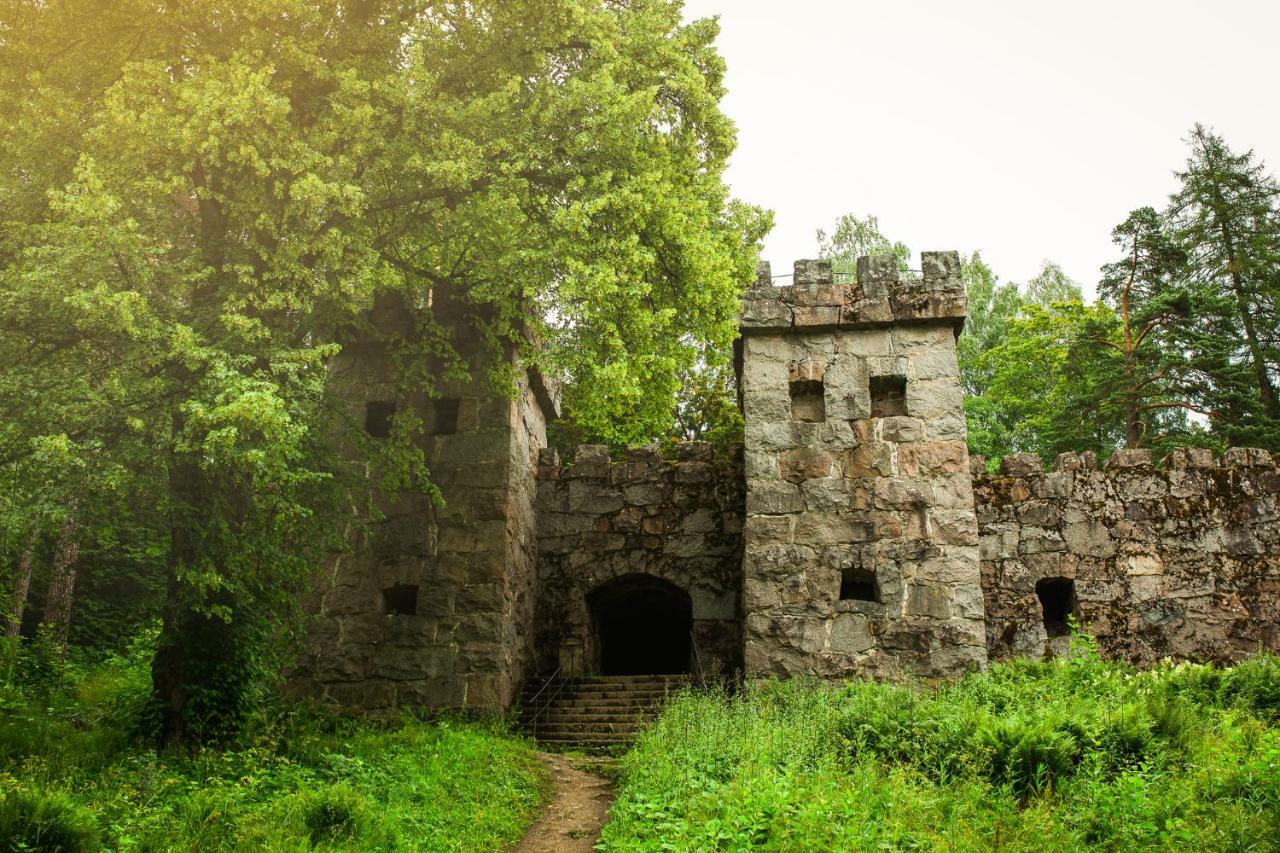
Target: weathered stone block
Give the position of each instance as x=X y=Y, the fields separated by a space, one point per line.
x=804 y=463
x=1021 y=465
x=777 y=498
x=901 y=429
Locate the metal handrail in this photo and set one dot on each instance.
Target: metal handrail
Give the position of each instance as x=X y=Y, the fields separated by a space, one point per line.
x=550 y=700
x=546 y=683
x=697 y=661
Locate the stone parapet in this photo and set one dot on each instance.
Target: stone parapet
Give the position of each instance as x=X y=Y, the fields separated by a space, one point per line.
x=882 y=295
x=1177 y=560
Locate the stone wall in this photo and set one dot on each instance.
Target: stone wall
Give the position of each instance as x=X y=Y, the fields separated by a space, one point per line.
x=1178 y=561
x=433 y=605
x=861 y=553
x=677 y=519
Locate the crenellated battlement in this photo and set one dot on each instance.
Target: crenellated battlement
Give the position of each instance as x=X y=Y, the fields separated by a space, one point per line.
x=882 y=295
x=1180 y=459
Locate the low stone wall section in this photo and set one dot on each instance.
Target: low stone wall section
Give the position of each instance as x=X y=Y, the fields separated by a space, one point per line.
x=1179 y=561
x=676 y=517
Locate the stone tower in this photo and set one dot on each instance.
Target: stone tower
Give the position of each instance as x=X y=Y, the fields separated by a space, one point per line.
x=433 y=604
x=861 y=540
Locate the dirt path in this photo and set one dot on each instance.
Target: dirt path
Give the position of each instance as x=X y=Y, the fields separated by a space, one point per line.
x=571 y=822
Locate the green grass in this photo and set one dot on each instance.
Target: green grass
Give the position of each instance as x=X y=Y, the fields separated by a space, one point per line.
x=74 y=777
x=1068 y=755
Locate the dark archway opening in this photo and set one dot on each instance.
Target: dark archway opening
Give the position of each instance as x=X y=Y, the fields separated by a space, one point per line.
x=642 y=626
x=1058 y=603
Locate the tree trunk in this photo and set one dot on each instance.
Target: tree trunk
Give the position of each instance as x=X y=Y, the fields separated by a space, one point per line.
x=175 y=668
x=22 y=585
x=169 y=669
x=1265 y=390
x=1132 y=436
x=62 y=582
x=1132 y=430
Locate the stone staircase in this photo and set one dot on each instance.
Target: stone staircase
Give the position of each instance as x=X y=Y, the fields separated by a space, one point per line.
x=594 y=711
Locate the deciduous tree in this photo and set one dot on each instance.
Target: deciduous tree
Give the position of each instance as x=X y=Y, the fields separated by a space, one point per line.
x=202 y=199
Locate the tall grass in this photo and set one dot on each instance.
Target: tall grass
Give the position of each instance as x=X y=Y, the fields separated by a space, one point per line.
x=1067 y=755
x=74 y=776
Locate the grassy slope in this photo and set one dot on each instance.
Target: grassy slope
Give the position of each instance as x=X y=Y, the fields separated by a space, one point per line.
x=1075 y=754
x=68 y=764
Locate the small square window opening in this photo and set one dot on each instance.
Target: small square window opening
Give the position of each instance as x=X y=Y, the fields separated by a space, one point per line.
x=858 y=585
x=400 y=600
x=808 y=401
x=888 y=396
x=377 y=417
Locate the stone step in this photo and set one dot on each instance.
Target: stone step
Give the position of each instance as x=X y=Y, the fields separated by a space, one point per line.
x=592 y=708
x=597 y=742
x=604 y=692
x=651 y=682
x=555 y=717
x=599 y=711
x=614 y=689
x=617 y=681
x=622 y=735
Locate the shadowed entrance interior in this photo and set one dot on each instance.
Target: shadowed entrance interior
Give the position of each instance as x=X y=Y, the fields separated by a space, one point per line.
x=642 y=626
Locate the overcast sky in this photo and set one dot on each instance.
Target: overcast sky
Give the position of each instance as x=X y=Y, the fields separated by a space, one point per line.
x=1023 y=128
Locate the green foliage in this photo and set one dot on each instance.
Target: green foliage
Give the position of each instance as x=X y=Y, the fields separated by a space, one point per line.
x=1027 y=754
x=992 y=307
x=1225 y=218
x=53 y=822
x=71 y=764
x=854 y=237
x=1087 y=753
x=1254 y=686
x=1039 y=389
x=335 y=814
x=198 y=214
x=707 y=408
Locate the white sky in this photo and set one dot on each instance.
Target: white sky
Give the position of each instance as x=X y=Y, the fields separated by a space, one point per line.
x=1024 y=128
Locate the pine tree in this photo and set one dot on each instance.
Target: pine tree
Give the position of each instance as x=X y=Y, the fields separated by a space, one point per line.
x=1226 y=220
x=1145 y=378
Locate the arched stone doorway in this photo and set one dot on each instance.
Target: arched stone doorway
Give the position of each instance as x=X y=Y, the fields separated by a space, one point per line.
x=641 y=626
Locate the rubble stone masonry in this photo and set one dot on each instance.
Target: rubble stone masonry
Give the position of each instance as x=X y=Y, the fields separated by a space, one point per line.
x=677 y=519
x=1178 y=561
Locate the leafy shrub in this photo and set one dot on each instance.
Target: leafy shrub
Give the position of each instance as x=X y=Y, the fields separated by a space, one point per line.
x=335 y=813
x=1173 y=720
x=300 y=778
x=1254 y=685
x=49 y=822
x=1027 y=754
x=1125 y=737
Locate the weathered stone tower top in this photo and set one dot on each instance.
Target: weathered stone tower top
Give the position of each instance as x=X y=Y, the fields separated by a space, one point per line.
x=882 y=295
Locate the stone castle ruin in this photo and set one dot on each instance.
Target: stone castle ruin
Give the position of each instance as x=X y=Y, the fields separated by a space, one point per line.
x=851 y=535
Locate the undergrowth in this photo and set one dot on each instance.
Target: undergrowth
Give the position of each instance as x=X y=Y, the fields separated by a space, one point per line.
x=1070 y=754
x=76 y=776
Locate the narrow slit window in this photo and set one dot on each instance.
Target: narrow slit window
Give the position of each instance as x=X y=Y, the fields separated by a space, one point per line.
x=858 y=585
x=808 y=401
x=888 y=396
x=400 y=600
x=377 y=417
x=1058 y=602
x=444 y=416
